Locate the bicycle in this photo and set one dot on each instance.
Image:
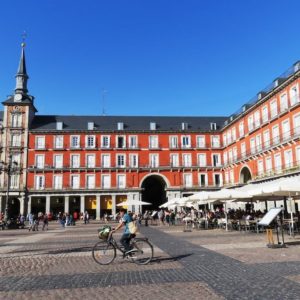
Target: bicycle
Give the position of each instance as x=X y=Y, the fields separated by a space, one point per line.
x=105 y=251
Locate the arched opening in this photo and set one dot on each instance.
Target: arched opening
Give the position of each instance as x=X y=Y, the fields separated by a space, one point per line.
x=245 y=175
x=38 y=205
x=153 y=192
x=13 y=207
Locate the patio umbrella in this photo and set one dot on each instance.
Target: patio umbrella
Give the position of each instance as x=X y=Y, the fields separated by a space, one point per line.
x=133 y=202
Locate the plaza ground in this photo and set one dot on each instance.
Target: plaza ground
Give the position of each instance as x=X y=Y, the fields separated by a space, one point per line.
x=202 y=264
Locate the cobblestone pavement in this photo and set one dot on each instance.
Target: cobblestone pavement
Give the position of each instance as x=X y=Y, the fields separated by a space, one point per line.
x=211 y=264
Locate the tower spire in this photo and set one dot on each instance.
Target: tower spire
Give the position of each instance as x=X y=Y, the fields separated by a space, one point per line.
x=21 y=76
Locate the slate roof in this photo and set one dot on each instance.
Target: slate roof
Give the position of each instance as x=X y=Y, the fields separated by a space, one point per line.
x=131 y=123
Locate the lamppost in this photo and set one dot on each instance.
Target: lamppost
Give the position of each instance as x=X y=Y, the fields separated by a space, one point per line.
x=8 y=168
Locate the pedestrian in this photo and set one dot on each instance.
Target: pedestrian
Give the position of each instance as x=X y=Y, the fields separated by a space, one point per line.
x=45 y=222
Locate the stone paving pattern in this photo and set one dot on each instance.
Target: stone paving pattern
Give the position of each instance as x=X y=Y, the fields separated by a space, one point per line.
x=202 y=264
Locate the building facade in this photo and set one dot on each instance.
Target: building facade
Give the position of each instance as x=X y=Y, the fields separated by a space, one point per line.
x=53 y=163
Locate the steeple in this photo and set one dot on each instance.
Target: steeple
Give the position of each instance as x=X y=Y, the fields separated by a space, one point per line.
x=21 y=76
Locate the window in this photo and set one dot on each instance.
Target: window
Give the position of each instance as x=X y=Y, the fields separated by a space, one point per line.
x=257 y=118
x=105 y=181
x=121 y=142
x=203 y=179
x=258 y=143
x=133 y=141
x=121 y=181
x=288 y=159
x=90 y=141
x=277 y=161
x=186 y=141
x=58 y=141
x=201 y=141
x=152 y=126
x=216 y=161
x=265 y=114
x=286 y=133
x=241 y=129
x=15 y=158
x=229 y=138
x=154 y=160
x=14 y=181
x=90 y=160
x=120 y=126
x=90 y=125
x=252 y=146
x=231 y=176
x=225 y=139
x=217 y=179
x=225 y=158
x=39 y=161
x=202 y=160
x=58 y=161
x=226 y=177
x=153 y=141
x=230 y=156
x=296 y=123
x=274 y=111
x=187 y=180
x=133 y=160
x=121 y=161
x=75 y=181
x=40 y=142
x=260 y=167
x=174 y=160
x=90 y=181
x=243 y=150
x=267 y=138
x=57 y=182
x=75 y=161
x=187 y=160
x=298 y=156
x=39 y=182
x=75 y=141
x=269 y=165
x=234 y=152
x=250 y=123
x=294 y=95
x=173 y=142
x=283 y=102
x=105 y=141
x=215 y=141
x=233 y=134
x=15 y=140
x=105 y=158
x=275 y=134
x=16 y=120
x=59 y=125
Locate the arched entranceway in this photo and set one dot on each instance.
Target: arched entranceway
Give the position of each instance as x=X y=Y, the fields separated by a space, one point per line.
x=13 y=207
x=154 y=192
x=245 y=175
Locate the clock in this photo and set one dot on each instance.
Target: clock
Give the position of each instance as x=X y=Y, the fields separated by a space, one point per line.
x=18 y=97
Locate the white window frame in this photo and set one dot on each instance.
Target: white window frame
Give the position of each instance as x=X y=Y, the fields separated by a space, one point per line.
x=265 y=114
x=40 y=142
x=117 y=141
x=88 y=140
x=121 y=183
x=154 y=160
x=133 y=145
x=241 y=129
x=77 y=146
x=186 y=159
x=188 y=183
x=202 y=162
x=105 y=181
x=16 y=120
x=104 y=163
x=39 y=182
x=205 y=179
x=173 y=141
x=88 y=183
x=57 y=182
x=294 y=95
x=174 y=160
x=41 y=164
x=58 y=141
x=284 y=104
x=56 y=165
x=274 y=108
x=186 y=141
x=214 y=178
x=90 y=164
x=124 y=160
x=288 y=158
x=219 y=160
x=105 y=138
x=72 y=164
x=215 y=141
x=153 y=142
x=133 y=160
x=72 y=185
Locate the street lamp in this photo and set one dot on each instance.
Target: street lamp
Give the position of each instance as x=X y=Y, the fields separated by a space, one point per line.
x=8 y=168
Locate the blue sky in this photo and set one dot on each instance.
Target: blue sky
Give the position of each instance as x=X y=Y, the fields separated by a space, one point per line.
x=154 y=57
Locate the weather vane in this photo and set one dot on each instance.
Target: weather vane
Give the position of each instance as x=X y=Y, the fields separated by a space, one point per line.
x=24 y=36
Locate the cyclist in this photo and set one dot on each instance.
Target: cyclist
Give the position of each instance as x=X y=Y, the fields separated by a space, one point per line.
x=125 y=219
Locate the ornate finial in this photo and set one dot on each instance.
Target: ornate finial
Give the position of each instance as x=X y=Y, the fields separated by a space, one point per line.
x=24 y=36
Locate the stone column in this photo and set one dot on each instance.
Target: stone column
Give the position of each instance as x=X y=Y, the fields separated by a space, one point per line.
x=29 y=205
x=67 y=204
x=82 y=204
x=98 y=210
x=113 y=200
x=48 y=204
x=22 y=205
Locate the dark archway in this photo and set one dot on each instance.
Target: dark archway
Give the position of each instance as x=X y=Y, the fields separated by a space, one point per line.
x=13 y=207
x=245 y=175
x=154 y=192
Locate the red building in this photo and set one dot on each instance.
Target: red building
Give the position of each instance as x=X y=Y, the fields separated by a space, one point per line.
x=78 y=163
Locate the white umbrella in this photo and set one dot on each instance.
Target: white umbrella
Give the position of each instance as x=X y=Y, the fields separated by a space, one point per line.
x=173 y=202
x=228 y=194
x=133 y=202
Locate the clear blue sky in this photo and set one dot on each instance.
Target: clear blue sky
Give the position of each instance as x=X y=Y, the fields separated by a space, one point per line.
x=154 y=57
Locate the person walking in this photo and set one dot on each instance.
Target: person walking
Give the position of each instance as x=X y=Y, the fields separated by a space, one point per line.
x=45 y=222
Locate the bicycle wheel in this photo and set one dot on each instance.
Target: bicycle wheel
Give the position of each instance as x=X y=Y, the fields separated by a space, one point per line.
x=142 y=252
x=104 y=253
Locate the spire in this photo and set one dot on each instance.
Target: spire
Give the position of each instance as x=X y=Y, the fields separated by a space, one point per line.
x=21 y=77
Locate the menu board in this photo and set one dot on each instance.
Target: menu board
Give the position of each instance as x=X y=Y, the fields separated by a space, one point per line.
x=270 y=216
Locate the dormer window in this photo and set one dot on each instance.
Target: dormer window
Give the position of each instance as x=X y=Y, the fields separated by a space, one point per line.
x=120 y=126
x=59 y=125
x=184 y=126
x=213 y=126
x=90 y=125
x=152 y=126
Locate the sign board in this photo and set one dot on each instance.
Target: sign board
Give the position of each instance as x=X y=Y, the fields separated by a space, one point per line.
x=270 y=216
